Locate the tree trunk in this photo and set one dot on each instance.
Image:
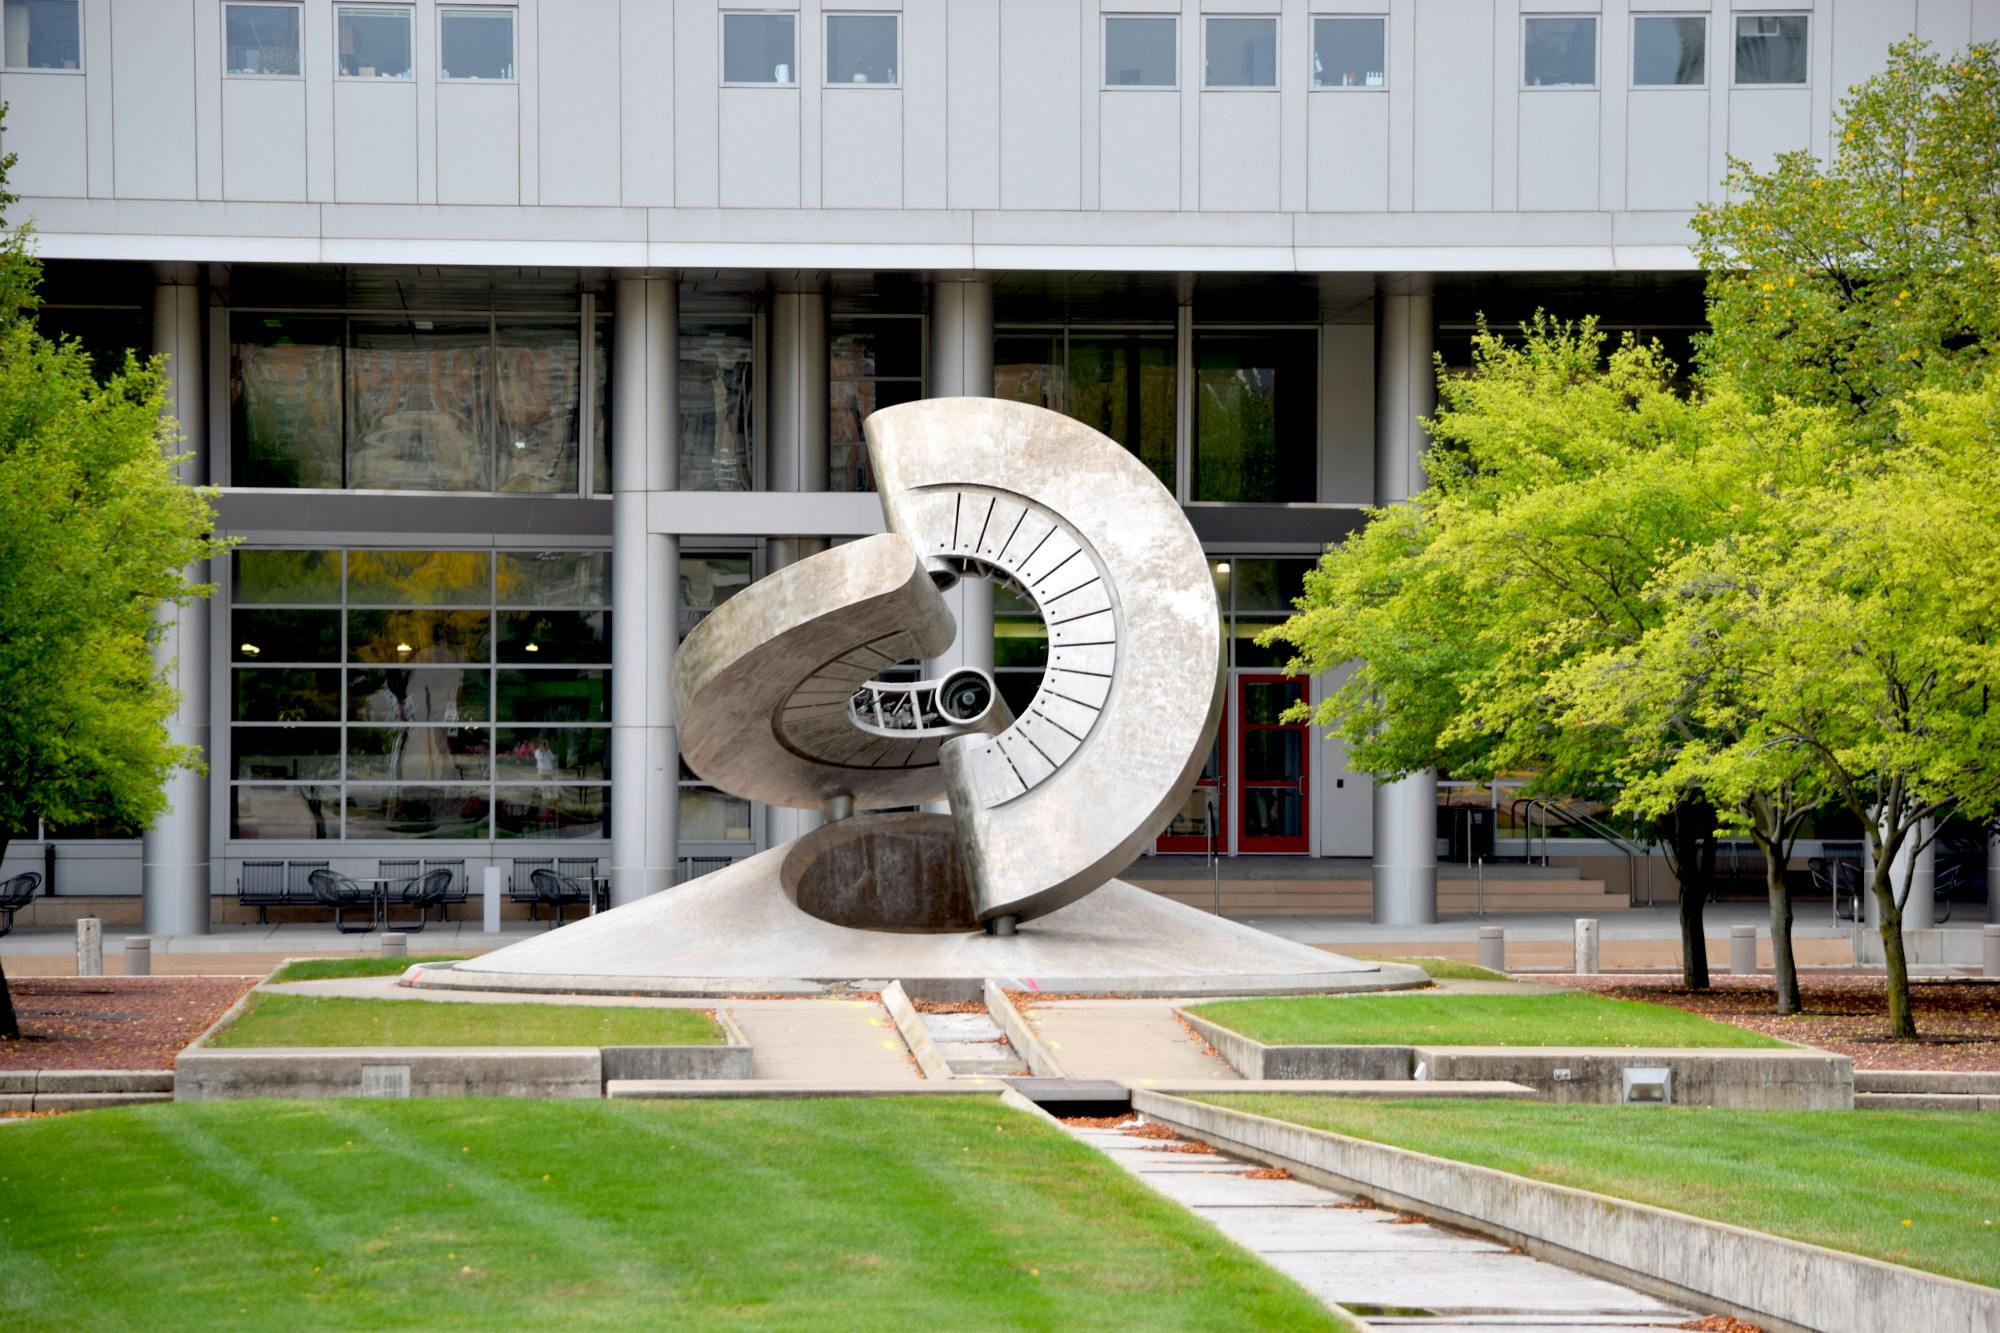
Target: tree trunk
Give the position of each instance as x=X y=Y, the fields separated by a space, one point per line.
x=1783 y=966
x=1902 y=1023
x=1686 y=827
x=10 y=1027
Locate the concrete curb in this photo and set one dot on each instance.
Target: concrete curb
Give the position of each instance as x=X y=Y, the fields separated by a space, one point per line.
x=1253 y=1059
x=1787 y=1286
x=390 y=1071
x=1973 y=1082
x=915 y=1035
x=780 y=1089
x=1021 y=1034
x=731 y=1058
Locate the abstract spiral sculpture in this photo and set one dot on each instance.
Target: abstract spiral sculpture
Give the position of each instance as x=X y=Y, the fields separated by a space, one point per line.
x=782 y=695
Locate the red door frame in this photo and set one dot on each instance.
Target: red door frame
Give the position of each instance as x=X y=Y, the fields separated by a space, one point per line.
x=1301 y=845
x=1183 y=844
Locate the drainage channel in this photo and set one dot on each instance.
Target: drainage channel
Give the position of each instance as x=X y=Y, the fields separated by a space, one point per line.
x=1393 y=1269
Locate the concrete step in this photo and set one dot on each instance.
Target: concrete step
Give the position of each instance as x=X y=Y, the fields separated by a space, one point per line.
x=104 y=1080
x=1249 y=897
x=77 y=1101
x=1925 y=1101
x=1985 y=1082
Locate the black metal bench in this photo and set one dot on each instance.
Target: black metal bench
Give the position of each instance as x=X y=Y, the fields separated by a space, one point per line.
x=267 y=884
x=15 y=894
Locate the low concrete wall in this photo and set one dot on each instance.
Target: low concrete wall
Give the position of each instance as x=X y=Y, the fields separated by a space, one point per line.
x=1021 y=1034
x=355 y=1071
x=1758 y=1080
x=910 y=1025
x=1253 y=1059
x=1931 y=946
x=1784 y=1285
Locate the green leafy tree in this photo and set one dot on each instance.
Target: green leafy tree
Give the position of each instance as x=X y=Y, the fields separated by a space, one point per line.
x=98 y=531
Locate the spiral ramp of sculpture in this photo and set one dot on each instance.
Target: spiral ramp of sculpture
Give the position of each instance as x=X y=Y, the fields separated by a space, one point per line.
x=789 y=692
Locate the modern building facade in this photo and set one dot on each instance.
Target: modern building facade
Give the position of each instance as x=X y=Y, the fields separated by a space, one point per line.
x=517 y=336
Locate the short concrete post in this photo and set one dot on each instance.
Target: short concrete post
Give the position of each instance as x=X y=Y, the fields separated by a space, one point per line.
x=1990 y=951
x=395 y=944
x=89 y=947
x=138 y=955
x=1743 y=950
x=489 y=895
x=1493 y=948
x=1586 y=946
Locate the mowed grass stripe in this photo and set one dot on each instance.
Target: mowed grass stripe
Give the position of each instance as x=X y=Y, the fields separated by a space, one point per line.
x=1564 y=1018
x=273 y=1019
x=928 y=1212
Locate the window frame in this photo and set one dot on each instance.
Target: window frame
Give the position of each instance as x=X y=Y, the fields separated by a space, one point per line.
x=1707 y=71
x=513 y=40
x=1312 y=54
x=791 y=16
x=1596 y=83
x=296 y=7
x=1104 y=53
x=1277 y=54
x=827 y=19
x=409 y=13
x=82 y=53
x=1736 y=18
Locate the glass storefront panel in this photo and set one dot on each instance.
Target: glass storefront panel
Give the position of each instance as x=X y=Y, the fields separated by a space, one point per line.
x=717 y=403
x=286 y=754
x=417 y=754
x=281 y=694
x=707 y=581
x=285 y=400
x=554 y=696
x=1028 y=368
x=873 y=362
x=309 y=578
x=419 y=405
x=711 y=815
x=550 y=811
x=419 y=694
x=1272 y=756
x=553 y=578
x=552 y=754
x=1256 y=416
x=1122 y=385
x=600 y=406
x=1273 y=812
x=416 y=812
x=412 y=637
x=544 y=637
x=538 y=398
x=303 y=811
x=419 y=578
x=286 y=636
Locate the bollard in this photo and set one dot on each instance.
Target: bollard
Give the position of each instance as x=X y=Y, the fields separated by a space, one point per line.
x=395 y=944
x=1743 y=950
x=489 y=895
x=89 y=947
x=1586 y=946
x=1493 y=948
x=1990 y=945
x=138 y=956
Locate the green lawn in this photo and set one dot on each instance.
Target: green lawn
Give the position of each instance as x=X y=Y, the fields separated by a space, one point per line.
x=324 y=969
x=915 y=1213
x=1566 y=1018
x=312 y=1020
x=1440 y=969
x=1914 y=1187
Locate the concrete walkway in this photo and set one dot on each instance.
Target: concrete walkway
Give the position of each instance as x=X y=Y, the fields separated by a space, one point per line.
x=1392 y=1271
x=1123 y=1039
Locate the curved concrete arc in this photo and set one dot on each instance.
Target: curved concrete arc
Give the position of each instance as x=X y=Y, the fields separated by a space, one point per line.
x=1051 y=807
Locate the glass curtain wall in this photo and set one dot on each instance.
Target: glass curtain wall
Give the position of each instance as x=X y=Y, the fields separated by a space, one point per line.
x=419 y=694
x=708 y=580
x=1256 y=415
x=875 y=361
x=1116 y=381
x=718 y=403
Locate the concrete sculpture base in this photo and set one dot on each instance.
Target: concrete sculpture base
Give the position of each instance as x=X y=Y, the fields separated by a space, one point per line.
x=737 y=932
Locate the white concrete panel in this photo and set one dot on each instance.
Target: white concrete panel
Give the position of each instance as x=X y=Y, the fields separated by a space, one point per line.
x=1344 y=817
x=1347 y=413
x=1402 y=57
x=861 y=160
x=97 y=118
x=45 y=126
x=1505 y=51
x=1347 y=163
x=528 y=117
x=1453 y=131
x=1040 y=100
x=478 y=143
x=579 y=86
x=760 y=147
x=152 y=99
x=926 y=58
x=263 y=139
x=1139 y=158
x=972 y=114
x=208 y=101
x=319 y=62
x=1558 y=151
x=1862 y=35
x=646 y=105
x=1666 y=158
x=1986 y=20
x=1764 y=122
x=374 y=142
x=697 y=72
x=1240 y=152
x=1946 y=24
x=1294 y=42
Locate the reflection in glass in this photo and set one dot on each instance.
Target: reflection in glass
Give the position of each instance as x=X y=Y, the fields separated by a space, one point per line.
x=284 y=391
x=1771 y=48
x=1256 y=428
x=281 y=694
x=600 y=407
x=1559 y=52
x=552 y=754
x=860 y=48
x=1117 y=382
x=309 y=578
x=716 y=403
x=708 y=814
x=1348 y=53
x=417 y=754
x=419 y=578
x=374 y=42
x=1270 y=585
x=1265 y=701
x=537 y=401
x=420 y=694
x=1028 y=368
x=1139 y=52
x=553 y=578
x=261 y=39
x=874 y=362
x=757 y=48
x=545 y=637
x=707 y=581
x=43 y=34
x=1272 y=756
x=550 y=811
x=412 y=637
x=554 y=696
x=307 y=811
x=1249 y=653
x=1271 y=812
x=285 y=636
x=1241 y=53
x=416 y=812
x=418 y=403
x=285 y=754
x=1669 y=51
x=1192 y=818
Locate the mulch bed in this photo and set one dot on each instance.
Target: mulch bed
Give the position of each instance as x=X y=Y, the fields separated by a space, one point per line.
x=113 y=1022
x=1958 y=1022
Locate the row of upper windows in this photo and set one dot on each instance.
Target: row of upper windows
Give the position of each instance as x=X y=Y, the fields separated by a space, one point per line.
x=1140 y=51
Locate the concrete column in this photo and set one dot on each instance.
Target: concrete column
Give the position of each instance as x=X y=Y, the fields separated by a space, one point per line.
x=1920 y=907
x=645 y=580
x=1743 y=951
x=1586 y=947
x=798 y=458
x=174 y=860
x=962 y=367
x=1405 y=869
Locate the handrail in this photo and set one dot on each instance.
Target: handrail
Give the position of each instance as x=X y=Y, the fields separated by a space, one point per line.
x=1597 y=828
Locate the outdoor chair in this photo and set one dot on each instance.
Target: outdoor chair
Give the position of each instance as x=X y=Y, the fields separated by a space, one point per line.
x=521 y=886
x=335 y=890
x=15 y=894
x=261 y=885
x=422 y=892
x=583 y=869
x=456 y=891
x=556 y=892
x=299 y=891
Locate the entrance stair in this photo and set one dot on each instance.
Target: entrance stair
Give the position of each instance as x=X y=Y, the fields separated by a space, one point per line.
x=1254 y=886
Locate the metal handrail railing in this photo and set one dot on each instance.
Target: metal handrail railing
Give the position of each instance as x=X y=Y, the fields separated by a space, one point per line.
x=1596 y=828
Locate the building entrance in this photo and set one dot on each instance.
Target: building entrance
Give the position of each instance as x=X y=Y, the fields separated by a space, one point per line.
x=1271 y=780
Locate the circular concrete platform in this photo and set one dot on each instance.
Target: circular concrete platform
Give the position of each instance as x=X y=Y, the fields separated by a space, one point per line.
x=734 y=932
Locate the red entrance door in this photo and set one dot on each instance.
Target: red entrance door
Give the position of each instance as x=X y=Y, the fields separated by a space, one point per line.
x=1190 y=830
x=1271 y=800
